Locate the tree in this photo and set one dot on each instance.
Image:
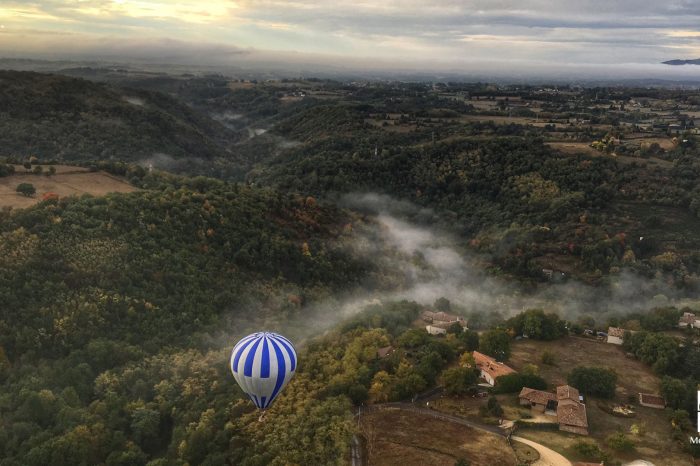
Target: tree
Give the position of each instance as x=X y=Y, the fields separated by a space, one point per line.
x=455 y=329
x=145 y=425
x=38 y=169
x=495 y=343
x=470 y=339
x=26 y=189
x=458 y=380
x=442 y=304
x=492 y=408
x=677 y=393
x=596 y=381
x=537 y=325
x=381 y=387
x=51 y=171
x=512 y=383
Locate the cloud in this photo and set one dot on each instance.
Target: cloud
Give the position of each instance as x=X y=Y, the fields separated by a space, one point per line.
x=443 y=33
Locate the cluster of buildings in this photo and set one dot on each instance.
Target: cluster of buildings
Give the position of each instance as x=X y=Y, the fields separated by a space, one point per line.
x=566 y=405
x=439 y=322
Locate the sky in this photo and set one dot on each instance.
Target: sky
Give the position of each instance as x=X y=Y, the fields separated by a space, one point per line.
x=580 y=36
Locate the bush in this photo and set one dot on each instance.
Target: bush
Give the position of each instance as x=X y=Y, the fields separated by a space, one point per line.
x=495 y=343
x=590 y=451
x=548 y=358
x=492 y=408
x=619 y=441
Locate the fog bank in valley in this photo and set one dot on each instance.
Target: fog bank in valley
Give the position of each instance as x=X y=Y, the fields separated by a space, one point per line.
x=430 y=264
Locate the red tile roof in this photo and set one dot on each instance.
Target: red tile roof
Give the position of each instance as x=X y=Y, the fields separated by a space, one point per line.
x=567 y=392
x=536 y=396
x=386 y=351
x=491 y=366
x=650 y=399
x=572 y=413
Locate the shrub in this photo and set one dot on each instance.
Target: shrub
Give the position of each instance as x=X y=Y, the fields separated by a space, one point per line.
x=619 y=441
x=548 y=358
x=590 y=451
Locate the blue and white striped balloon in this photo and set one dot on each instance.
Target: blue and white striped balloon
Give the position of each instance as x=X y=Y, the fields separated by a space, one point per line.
x=263 y=363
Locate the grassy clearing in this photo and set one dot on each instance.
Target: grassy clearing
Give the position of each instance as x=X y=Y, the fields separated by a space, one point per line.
x=411 y=439
x=68 y=181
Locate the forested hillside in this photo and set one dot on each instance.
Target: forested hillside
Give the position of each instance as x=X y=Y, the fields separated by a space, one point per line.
x=118 y=313
x=60 y=118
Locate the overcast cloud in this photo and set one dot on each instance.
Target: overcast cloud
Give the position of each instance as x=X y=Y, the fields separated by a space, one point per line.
x=443 y=34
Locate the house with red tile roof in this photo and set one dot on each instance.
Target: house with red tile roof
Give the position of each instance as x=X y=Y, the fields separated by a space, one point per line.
x=489 y=368
x=565 y=405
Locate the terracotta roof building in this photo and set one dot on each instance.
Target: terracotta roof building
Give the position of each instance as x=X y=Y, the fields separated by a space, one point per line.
x=489 y=368
x=384 y=352
x=538 y=400
x=571 y=416
x=652 y=401
x=616 y=335
x=565 y=405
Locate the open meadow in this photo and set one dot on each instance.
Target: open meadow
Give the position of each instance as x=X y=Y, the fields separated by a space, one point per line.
x=412 y=439
x=68 y=181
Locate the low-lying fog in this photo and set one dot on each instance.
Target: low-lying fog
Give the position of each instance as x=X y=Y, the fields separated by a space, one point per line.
x=434 y=265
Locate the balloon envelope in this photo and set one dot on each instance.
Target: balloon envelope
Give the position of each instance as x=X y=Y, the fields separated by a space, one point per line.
x=262 y=364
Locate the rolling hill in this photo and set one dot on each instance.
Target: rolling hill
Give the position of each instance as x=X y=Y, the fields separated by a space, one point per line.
x=73 y=120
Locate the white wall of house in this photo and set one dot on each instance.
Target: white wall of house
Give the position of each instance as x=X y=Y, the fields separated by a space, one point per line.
x=614 y=340
x=487 y=378
x=435 y=330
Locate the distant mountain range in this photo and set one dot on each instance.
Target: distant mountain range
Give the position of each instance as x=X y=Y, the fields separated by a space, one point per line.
x=683 y=62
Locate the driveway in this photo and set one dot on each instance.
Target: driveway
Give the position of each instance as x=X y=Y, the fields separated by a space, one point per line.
x=548 y=457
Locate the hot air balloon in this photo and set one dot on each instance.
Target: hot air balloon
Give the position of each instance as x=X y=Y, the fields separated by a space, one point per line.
x=262 y=364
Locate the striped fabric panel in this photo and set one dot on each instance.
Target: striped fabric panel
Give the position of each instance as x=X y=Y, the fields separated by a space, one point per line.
x=262 y=364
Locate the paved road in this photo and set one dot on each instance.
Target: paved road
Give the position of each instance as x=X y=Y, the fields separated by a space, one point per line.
x=548 y=457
